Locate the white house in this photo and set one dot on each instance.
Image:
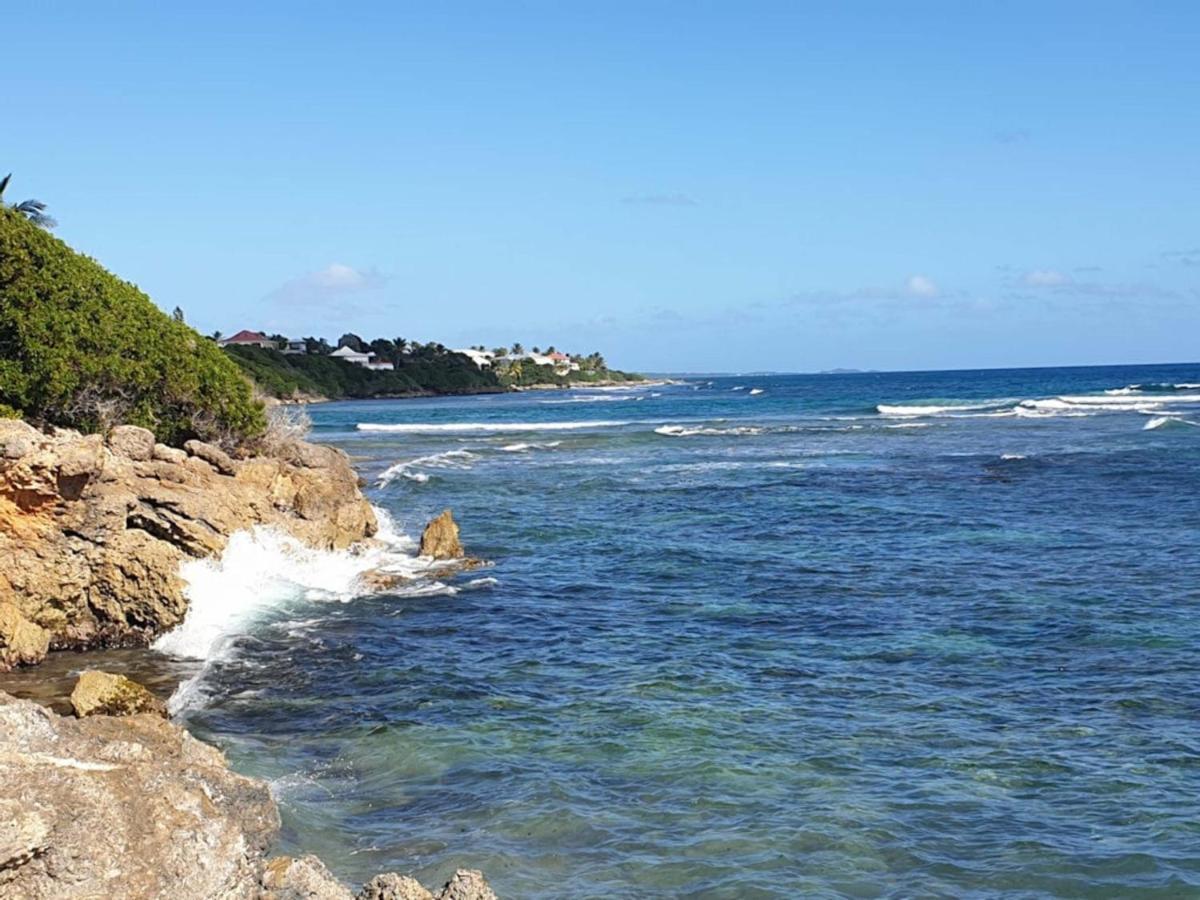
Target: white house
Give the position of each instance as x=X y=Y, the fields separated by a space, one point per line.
x=481 y=358
x=366 y=360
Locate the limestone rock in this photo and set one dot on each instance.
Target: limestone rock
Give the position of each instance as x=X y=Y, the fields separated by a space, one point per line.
x=132 y=441
x=92 y=535
x=123 y=808
x=306 y=878
x=213 y=455
x=22 y=643
x=467 y=884
x=440 y=539
x=391 y=886
x=169 y=454
x=104 y=694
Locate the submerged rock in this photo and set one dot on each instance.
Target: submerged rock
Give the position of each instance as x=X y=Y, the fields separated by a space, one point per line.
x=103 y=694
x=92 y=534
x=440 y=538
x=22 y=643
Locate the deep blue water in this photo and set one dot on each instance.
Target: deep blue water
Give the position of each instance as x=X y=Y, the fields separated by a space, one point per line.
x=768 y=645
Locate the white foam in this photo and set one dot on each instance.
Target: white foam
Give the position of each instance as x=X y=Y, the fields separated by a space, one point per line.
x=684 y=431
x=430 y=428
x=754 y=392
x=590 y=399
x=448 y=459
x=1160 y=421
x=1012 y=456
x=263 y=570
x=522 y=447
x=930 y=409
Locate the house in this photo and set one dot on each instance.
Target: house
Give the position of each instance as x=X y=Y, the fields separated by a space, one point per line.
x=482 y=358
x=366 y=360
x=295 y=348
x=247 y=339
x=563 y=363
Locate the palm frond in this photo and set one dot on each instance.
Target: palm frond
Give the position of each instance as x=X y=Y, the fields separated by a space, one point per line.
x=4 y=183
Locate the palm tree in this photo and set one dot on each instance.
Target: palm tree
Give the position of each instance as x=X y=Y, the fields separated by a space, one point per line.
x=33 y=210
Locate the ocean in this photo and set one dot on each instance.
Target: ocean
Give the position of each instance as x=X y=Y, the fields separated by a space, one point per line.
x=868 y=635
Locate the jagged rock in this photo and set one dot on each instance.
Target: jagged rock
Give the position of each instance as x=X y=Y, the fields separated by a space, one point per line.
x=132 y=441
x=467 y=884
x=22 y=643
x=306 y=878
x=213 y=455
x=391 y=886
x=134 y=807
x=91 y=539
x=440 y=538
x=123 y=808
x=104 y=694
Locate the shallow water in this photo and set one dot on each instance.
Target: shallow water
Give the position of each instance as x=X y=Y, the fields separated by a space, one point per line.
x=758 y=645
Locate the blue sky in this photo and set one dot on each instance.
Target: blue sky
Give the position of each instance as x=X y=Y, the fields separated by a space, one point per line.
x=684 y=186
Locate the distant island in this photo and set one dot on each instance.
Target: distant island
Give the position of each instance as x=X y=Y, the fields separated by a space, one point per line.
x=311 y=369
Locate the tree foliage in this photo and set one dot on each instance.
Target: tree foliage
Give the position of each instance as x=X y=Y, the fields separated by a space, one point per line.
x=80 y=348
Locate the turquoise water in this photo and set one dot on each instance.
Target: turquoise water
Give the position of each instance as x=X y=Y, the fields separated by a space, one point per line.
x=760 y=645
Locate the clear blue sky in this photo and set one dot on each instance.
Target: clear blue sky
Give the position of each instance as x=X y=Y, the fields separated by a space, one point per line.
x=685 y=186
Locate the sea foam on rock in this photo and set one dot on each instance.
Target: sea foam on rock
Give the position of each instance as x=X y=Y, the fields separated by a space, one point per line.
x=92 y=533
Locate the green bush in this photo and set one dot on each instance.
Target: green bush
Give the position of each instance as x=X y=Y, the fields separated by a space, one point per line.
x=80 y=348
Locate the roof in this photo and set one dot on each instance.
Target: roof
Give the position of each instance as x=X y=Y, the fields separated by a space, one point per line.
x=348 y=351
x=246 y=337
x=559 y=356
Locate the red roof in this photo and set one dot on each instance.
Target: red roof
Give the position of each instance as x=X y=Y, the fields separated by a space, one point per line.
x=246 y=337
x=559 y=356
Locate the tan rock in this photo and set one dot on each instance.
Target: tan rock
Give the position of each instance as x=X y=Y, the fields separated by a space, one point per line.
x=213 y=455
x=22 y=643
x=91 y=539
x=391 y=886
x=169 y=454
x=104 y=694
x=303 y=878
x=123 y=808
x=132 y=441
x=440 y=538
x=467 y=884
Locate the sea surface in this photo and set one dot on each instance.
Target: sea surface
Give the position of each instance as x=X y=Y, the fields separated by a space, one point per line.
x=868 y=635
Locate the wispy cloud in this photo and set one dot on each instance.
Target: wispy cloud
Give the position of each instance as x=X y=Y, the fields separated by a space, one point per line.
x=922 y=286
x=659 y=200
x=1183 y=257
x=334 y=282
x=1040 y=278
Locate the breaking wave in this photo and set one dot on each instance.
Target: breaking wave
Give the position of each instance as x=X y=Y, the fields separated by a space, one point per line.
x=263 y=570
x=684 y=431
x=450 y=427
x=450 y=459
x=1165 y=421
x=932 y=410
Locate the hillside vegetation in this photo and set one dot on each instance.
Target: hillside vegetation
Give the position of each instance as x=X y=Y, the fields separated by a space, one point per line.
x=81 y=348
x=315 y=375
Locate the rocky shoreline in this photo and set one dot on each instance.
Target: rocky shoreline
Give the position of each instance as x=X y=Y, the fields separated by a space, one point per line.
x=122 y=803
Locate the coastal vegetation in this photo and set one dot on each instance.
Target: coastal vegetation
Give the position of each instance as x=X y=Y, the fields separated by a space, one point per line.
x=397 y=367
x=80 y=348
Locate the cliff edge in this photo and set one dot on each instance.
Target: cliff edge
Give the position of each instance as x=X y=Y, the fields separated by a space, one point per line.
x=93 y=531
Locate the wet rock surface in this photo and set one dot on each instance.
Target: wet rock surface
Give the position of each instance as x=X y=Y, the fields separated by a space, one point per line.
x=92 y=532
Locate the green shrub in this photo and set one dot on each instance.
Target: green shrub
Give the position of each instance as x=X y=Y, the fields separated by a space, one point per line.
x=80 y=348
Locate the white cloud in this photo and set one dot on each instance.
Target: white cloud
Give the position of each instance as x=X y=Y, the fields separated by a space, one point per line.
x=334 y=281
x=1045 y=278
x=921 y=286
